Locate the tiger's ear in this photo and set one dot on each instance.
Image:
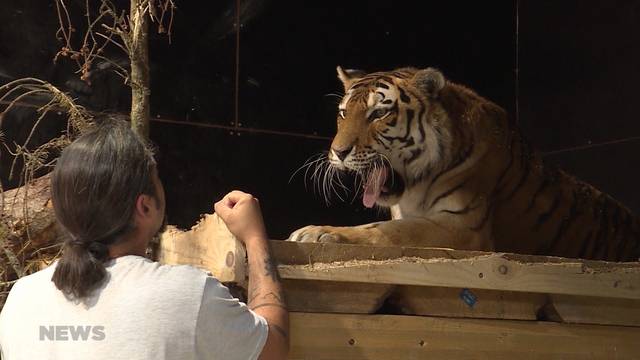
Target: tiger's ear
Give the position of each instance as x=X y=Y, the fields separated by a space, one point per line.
x=349 y=76
x=430 y=81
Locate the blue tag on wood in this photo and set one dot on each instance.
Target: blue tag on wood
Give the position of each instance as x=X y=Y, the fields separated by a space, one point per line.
x=468 y=297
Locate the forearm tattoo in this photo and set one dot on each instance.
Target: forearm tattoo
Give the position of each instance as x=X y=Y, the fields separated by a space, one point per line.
x=263 y=294
x=275 y=297
x=271 y=269
x=272 y=298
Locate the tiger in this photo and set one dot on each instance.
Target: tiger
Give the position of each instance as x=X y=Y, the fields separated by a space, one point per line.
x=456 y=172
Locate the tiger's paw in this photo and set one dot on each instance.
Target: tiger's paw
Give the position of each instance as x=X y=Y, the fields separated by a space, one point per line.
x=314 y=233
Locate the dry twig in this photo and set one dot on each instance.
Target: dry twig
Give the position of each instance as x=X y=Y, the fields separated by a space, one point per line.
x=17 y=255
x=107 y=25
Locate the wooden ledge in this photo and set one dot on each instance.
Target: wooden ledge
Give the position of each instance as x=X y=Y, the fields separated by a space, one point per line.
x=341 y=278
x=452 y=268
x=209 y=245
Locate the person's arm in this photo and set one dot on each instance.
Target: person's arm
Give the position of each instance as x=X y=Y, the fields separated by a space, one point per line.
x=241 y=213
x=266 y=298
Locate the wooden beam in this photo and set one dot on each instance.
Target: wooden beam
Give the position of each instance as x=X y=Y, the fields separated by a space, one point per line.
x=208 y=245
x=596 y=310
x=463 y=269
x=389 y=337
x=341 y=278
x=466 y=303
x=335 y=297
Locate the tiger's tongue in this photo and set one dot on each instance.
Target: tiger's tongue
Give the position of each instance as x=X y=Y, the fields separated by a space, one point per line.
x=373 y=187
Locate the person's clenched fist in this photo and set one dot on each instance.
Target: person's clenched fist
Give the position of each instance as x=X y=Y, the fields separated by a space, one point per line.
x=241 y=212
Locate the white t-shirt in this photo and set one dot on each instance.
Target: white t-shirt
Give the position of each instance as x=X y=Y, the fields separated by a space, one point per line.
x=143 y=310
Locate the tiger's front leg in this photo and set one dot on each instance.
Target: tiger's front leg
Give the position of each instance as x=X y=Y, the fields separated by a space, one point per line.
x=403 y=232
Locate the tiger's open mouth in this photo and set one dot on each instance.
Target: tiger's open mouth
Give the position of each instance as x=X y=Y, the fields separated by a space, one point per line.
x=381 y=182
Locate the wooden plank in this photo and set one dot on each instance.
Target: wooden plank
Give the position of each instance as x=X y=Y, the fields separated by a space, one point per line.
x=295 y=253
x=208 y=245
x=466 y=303
x=493 y=271
x=596 y=310
x=389 y=337
x=356 y=278
x=334 y=297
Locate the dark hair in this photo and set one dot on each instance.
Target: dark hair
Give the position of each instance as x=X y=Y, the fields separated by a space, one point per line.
x=94 y=188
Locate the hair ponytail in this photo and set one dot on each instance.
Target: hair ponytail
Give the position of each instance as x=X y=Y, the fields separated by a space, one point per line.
x=81 y=267
x=94 y=188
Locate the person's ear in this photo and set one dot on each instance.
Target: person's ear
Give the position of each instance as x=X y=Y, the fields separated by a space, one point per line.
x=143 y=205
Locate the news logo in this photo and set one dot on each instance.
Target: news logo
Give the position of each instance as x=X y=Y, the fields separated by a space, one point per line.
x=72 y=333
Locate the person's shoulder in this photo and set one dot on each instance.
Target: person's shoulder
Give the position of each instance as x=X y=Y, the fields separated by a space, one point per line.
x=153 y=271
x=33 y=286
x=178 y=272
x=174 y=290
x=35 y=279
x=150 y=266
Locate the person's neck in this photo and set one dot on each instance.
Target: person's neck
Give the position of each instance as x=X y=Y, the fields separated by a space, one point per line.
x=133 y=244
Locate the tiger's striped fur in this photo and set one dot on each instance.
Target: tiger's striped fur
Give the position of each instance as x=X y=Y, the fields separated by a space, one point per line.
x=460 y=175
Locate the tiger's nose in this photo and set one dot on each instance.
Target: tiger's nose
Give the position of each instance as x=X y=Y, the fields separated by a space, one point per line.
x=342 y=153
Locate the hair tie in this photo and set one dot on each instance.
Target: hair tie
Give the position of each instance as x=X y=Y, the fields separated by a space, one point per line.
x=99 y=250
x=77 y=242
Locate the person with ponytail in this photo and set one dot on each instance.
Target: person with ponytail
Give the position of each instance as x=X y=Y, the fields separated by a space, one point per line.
x=103 y=299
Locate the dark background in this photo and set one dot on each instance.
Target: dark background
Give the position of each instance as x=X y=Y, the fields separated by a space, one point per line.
x=566 y=70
